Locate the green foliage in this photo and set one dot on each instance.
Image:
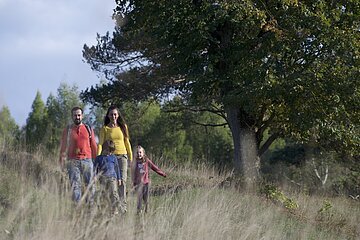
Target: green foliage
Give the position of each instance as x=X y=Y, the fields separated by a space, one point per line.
x=347 y=180
x=36 y=124
x=290 y=66
x=141 y=118
x=59 y=113
x=9 y=130
x=95 y=118
x=274 y=194
x=177 y=135
x=168 y=139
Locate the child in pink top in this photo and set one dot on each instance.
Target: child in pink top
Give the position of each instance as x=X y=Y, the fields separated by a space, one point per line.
x=141 y=178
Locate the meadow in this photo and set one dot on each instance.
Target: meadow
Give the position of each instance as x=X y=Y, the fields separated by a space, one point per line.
x=193 y=202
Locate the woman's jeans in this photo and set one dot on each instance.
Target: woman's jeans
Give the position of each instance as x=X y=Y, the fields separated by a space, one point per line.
x=123 y=164
x=81 y=170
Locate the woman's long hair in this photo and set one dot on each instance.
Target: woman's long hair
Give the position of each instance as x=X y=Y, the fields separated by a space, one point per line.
x=120 y=121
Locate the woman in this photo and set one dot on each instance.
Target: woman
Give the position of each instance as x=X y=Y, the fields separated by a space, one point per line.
x=115 y=129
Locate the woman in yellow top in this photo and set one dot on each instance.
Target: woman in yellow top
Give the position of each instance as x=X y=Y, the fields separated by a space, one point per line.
x=115 y=129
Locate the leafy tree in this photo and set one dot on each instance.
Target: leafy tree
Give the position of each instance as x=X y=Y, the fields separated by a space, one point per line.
x=141 y=118
x=35 y=127
x=95 y=118
x=58 y=113
x=209 y=137
x=288 y=66
x=9 y=130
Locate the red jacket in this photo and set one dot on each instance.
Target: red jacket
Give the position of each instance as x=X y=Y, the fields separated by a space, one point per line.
x=80 y=144
x=141 y=171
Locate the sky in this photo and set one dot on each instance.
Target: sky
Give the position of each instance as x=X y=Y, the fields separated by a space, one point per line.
x=41 y=44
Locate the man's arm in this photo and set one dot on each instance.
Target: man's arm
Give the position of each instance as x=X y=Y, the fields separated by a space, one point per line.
x=93 y=145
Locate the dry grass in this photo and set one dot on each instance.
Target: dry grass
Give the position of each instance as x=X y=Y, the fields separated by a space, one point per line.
x=199 y=209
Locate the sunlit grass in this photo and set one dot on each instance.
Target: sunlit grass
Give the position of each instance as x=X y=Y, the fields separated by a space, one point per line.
x=191 y=203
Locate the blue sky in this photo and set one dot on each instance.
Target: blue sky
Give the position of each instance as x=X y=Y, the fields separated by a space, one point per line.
x=41 y=45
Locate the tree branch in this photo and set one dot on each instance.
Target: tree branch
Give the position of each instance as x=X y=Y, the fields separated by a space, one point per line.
x=267 y=143
x=210 y=124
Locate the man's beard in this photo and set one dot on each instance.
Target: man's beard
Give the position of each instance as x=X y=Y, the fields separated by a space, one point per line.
x=77 y=121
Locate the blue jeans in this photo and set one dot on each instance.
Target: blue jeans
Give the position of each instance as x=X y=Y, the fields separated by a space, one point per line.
x=78 y=171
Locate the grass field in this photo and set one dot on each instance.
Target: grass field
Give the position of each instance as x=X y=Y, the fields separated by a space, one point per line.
x=191 y=203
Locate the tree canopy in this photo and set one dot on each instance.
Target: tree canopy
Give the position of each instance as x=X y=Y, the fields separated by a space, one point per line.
x=288 y=66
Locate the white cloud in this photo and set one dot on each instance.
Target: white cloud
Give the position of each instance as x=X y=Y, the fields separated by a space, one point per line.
x=47 y=27
x=41 y=45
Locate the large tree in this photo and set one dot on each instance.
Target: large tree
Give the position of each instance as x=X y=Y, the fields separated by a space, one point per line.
x=289 y=66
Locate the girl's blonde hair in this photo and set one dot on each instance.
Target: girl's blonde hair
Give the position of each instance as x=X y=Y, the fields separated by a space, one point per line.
x=140 y=147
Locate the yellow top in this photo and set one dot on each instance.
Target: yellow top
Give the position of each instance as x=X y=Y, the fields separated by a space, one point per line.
x=122 y=145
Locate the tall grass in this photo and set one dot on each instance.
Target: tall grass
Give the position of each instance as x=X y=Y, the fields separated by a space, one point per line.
x=192 y=203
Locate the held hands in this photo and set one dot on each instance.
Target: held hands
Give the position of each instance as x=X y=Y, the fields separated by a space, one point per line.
x=119 y=182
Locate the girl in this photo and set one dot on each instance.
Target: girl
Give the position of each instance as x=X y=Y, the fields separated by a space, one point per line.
x=141 y=178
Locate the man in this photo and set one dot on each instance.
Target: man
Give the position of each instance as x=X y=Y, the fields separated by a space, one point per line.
x=77 y=151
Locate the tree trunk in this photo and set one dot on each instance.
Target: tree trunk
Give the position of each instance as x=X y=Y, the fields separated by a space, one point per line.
x=246 y=160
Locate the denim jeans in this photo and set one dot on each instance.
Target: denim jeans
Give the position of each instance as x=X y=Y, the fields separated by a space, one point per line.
x=81 y=170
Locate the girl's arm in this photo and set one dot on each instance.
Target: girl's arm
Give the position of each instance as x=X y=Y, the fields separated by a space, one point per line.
x=156 y=168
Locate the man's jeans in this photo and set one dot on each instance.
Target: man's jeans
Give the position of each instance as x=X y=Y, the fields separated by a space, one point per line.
x=78 y=171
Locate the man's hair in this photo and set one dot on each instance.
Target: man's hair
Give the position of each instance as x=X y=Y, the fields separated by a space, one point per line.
x=109 y=145
x=75 y=109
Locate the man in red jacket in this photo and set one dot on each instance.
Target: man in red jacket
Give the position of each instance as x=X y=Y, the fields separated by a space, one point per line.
x=77 y=151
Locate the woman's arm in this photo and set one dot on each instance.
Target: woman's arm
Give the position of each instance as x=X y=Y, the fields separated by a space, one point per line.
x=101 y=140
x=128 y=145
